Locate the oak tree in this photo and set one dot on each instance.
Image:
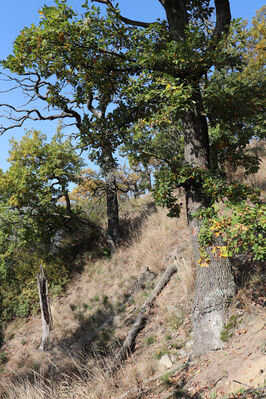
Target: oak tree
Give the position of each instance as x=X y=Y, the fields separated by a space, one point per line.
x=176 y=84
x=71 y=65
x=157 y=75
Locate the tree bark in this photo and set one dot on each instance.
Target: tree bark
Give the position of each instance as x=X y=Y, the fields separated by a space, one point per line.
x=214 y=284
x=113 y=229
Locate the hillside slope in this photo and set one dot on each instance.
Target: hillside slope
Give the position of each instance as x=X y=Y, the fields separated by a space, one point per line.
x=93 y=317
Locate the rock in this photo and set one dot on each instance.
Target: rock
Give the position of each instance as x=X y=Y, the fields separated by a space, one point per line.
x=166 y=362
x=173 y=358
x=189 y=346
x=182 y=353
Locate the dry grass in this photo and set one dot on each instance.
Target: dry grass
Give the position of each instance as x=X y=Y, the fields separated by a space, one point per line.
x=63 y=374
x=259 y=179
x=156 y=246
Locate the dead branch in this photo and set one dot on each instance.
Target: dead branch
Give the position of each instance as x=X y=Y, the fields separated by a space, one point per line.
x=141 y=320
x=31 y=84
x=32 y=114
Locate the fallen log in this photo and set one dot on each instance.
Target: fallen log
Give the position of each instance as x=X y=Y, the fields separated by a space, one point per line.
x=140 y=322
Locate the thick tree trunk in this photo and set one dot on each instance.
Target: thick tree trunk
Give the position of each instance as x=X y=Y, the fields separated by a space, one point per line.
x=214 y=287
x=113 y=230
x=214 y=284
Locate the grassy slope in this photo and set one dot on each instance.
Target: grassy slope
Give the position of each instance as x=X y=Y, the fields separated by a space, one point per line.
x=73 y=367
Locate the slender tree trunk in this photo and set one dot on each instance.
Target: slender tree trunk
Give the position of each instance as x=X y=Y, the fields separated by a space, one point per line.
x=214 y=284
x=112 y=209
x=113 y=229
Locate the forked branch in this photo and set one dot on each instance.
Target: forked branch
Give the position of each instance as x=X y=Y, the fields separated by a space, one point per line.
x=32 y=114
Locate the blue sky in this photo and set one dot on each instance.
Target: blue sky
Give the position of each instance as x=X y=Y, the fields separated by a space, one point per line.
x=15 y=14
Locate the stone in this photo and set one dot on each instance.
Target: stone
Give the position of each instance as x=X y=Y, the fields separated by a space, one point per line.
x=173 y=358
x=166 y=362
x=182 y=353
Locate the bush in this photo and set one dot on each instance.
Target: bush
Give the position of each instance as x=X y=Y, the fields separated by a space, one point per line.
x=19 y=293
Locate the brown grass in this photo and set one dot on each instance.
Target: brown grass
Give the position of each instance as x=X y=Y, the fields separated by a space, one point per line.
x=65 y=371
x=62 y=372
x=259 y=179
x=156 y=246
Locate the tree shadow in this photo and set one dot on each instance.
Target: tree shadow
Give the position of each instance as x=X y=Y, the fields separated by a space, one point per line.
x=250 y=275
x=93 y=341
x=180 y=390
x=130 y=225
x=95 y=331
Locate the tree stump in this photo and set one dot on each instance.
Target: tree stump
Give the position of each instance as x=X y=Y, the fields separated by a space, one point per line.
x=45 y=308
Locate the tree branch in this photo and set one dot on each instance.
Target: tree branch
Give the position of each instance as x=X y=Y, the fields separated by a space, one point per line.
x=176 y=17
x=19 y=121
x=222 y=26
x=94 y=111
x=124 y=19
x=30 y=84
x=223 y=17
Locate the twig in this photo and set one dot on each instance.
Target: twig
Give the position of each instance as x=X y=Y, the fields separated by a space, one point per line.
x=241 y=383
x=250 y=389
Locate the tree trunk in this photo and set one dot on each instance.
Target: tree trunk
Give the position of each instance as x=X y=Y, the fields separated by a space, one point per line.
x=112 y=210
x=113 y=230
x=214 y=284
